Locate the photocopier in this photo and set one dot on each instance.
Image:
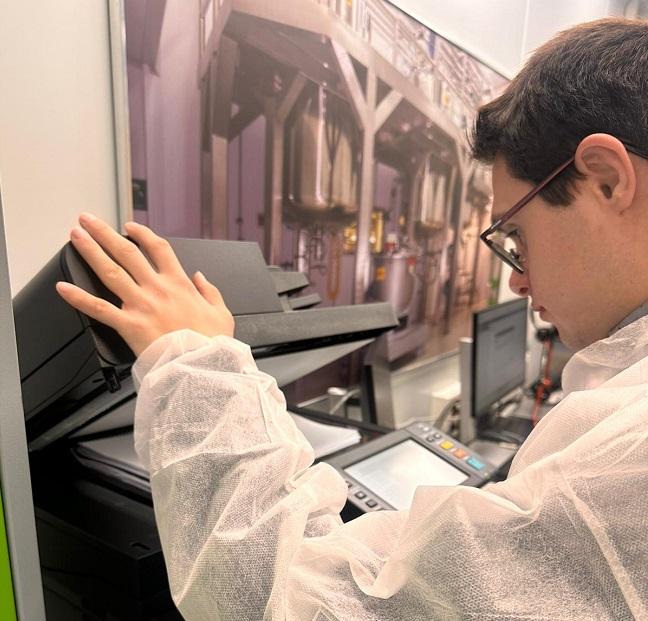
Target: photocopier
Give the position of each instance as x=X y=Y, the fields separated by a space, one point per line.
x=100 y=552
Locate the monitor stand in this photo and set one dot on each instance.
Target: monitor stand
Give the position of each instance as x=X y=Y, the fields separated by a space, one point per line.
x=467 y=431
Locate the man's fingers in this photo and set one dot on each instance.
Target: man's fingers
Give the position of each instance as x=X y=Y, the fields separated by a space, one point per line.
x=125 y=252
x=90 y=305
x=207 y=290
x=110 y=273
x=156 y=247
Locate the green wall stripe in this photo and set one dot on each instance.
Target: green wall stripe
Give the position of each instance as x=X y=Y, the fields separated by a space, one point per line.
x=7 y=604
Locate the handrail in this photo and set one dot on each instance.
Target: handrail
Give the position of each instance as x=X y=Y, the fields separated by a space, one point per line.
x=446 y=75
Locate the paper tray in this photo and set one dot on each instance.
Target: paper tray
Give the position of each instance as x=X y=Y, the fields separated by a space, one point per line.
x=115 y=456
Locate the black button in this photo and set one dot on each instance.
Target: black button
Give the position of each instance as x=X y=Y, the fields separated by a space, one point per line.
x=349 y=484
x=437 y=436
x=371 y=503
x=360 y=495
x=429 y=438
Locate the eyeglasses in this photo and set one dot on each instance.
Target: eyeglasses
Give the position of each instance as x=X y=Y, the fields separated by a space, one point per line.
x=507 y=245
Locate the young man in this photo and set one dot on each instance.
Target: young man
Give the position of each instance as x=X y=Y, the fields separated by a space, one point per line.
x=251 y=530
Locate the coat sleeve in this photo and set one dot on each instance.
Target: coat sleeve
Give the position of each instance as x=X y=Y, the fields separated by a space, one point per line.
x=251 y=530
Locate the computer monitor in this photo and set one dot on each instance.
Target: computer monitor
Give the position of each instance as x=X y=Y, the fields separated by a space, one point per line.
x=21 y=595
x=498 y=355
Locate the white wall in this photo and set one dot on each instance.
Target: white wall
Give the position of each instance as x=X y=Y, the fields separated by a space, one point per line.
x=546 y=17
x=56 y=125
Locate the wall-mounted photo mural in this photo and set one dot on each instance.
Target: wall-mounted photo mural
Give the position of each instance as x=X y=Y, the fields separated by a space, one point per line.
x=331 y=132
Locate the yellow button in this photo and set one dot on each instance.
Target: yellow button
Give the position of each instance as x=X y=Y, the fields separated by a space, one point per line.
x=446 y=444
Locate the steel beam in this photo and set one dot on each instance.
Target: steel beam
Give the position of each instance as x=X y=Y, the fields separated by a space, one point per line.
x=218 y=226
x=220 y=90
x=243 y=118
x=360 y=106
x=276 y=112
x=290 y=98
x=213 y=43
x=455 y=178
x=363 y=254
x=221 y=86
x=386 y=108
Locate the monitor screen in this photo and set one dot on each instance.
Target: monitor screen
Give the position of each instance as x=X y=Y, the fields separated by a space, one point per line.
x=395 y=473
x=499 y=353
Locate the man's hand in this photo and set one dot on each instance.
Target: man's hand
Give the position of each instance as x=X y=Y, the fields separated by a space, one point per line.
x=155 y=299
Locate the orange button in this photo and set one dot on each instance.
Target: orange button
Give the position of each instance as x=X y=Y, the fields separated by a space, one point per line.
x=446 y=444
x=459 y=453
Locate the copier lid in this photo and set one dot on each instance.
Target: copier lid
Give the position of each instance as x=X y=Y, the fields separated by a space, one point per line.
x=74 y=370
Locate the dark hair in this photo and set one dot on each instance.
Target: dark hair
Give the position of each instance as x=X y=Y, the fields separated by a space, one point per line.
x=588 y=79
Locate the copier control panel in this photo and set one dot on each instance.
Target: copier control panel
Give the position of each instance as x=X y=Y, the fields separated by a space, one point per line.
x=384 y=473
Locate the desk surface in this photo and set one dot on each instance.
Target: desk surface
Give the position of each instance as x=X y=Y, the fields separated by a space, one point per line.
x=515 y=419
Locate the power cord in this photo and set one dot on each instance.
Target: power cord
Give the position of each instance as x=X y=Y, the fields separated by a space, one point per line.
x=542 y=387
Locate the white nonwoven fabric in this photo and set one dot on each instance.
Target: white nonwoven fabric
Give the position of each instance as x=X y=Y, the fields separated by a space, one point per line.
x=250 y=529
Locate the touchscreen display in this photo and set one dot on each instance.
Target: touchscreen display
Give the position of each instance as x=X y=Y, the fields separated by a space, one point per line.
x=395 y=473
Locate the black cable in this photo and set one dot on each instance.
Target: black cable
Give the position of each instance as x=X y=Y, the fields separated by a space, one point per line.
x=501 y=436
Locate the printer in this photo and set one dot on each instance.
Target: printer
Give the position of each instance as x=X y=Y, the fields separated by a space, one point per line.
x=100 y=553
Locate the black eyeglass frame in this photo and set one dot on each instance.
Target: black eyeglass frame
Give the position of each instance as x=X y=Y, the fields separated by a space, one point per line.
x=527 y=198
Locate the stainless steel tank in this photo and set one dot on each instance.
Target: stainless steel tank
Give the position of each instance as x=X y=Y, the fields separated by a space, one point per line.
x=393 y=279
x=433 y=194
x=322 y=156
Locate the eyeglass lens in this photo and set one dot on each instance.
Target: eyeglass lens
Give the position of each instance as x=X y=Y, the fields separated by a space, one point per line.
x=509 y=250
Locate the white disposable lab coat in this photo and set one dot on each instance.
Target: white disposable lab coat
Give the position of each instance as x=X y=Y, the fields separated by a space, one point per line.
x=250 y=529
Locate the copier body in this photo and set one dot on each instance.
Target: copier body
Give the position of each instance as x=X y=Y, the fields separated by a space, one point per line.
x=98 y=542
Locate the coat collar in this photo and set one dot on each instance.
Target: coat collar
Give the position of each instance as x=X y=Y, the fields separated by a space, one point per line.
x=600 y=361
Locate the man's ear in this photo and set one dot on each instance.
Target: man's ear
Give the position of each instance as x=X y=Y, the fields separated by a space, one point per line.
x=604 y=162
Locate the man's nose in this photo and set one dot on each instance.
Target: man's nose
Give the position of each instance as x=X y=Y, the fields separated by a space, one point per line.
x=519 y=284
